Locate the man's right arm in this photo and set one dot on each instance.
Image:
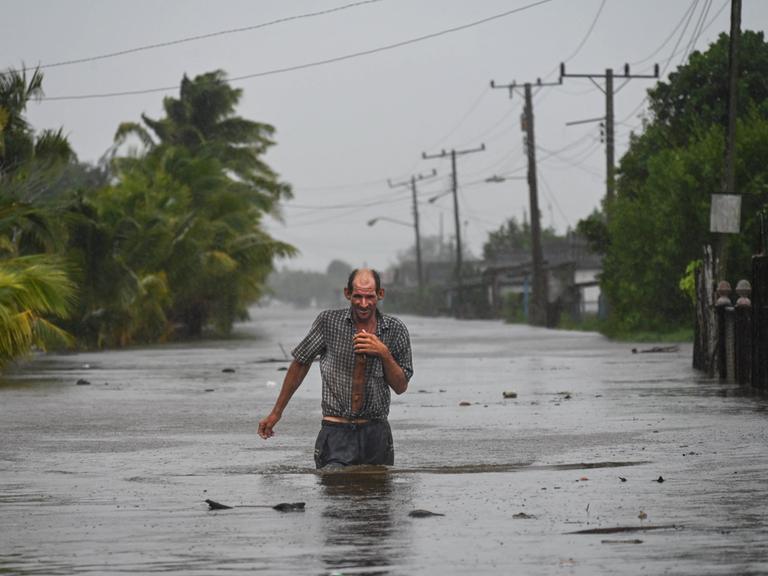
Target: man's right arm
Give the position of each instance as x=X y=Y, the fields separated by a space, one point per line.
x=293 y=379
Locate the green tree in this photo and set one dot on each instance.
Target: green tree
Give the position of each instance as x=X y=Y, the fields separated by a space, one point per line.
x=191 y=204
x=512 y=237
x=660 y=218
x=34 y=287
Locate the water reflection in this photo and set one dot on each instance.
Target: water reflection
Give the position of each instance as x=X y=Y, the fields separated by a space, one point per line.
x=359 y=521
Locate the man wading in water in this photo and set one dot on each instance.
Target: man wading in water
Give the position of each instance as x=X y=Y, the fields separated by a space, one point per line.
x=363 y=353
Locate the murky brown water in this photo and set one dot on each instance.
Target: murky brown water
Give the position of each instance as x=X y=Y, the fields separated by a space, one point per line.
x=111 y=477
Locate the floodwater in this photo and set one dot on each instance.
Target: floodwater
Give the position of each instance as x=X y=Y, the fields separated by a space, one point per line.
x=111 y=477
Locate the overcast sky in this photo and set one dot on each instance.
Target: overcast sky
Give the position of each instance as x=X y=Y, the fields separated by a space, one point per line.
x=346 y=127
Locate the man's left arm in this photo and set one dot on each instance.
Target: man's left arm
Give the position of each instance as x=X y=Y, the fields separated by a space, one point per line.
x=394 y=375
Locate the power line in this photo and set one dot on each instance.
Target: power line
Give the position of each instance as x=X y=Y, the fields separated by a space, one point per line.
x=312 y=64
x=195 y=38
x=668 y=38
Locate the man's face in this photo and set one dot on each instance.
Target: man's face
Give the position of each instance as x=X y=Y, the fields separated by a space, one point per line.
x=363 y=296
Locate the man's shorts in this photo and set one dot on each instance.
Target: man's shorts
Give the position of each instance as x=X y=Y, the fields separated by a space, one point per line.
x=341 y=444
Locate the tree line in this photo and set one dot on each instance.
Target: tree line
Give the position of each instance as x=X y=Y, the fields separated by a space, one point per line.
x=158 y=240
x=653 y=232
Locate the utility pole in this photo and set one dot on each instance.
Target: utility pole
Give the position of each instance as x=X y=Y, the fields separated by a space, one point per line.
x=540 y=288
x=412 y=184
x=459 y=306
x=728 y=183
x=610 y=165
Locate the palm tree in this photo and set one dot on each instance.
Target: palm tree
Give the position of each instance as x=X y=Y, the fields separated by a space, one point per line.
x=192 y=203
x=32 y=288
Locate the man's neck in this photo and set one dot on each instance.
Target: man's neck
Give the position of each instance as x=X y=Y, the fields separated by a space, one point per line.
x=367 y=325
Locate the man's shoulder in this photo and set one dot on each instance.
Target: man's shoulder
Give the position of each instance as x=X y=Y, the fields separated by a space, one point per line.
x=333 y=315
x=394 y=322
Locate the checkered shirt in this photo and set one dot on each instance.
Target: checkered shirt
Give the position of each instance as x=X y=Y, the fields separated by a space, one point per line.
x=331 y=338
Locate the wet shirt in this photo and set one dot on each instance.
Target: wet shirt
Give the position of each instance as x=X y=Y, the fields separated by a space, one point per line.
x=331 y=338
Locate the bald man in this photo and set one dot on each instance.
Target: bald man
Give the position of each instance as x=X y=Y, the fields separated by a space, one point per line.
x=363 y=354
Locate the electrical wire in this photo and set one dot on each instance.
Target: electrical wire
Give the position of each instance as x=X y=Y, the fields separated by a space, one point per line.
x=671 y=34
x=197 y=37
x=312 y=64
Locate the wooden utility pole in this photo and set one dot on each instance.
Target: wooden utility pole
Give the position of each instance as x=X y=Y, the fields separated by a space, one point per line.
x=412 y=184
x=540 y=285
x=728 y=183
x=459 y=306
x=610 y=164
x=729 y=180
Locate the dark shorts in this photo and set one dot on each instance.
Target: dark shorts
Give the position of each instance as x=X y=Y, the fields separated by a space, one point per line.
x=354 y=444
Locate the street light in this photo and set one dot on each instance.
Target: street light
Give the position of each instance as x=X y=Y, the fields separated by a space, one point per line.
x=373 y=221
x=497 y=178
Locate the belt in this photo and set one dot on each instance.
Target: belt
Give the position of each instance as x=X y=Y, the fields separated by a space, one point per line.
x=342 y=420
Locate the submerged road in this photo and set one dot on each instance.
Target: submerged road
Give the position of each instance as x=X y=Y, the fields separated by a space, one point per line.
x=110 y=477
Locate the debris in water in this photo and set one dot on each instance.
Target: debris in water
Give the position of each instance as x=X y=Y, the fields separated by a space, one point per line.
x=622 y=478
x=213 y=505
x=509 y=394
x=631 y=541
x=523 y=516
x=83 y=382
x=656 y=349
x=289 y=507
x=228 y=370
x=423 y=513
x=642 y=515
x=465 y=403
x=281 y=507
x=210 y=390
x=660 y=480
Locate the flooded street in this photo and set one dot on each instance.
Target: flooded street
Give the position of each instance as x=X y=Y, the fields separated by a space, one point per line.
x=110 y=477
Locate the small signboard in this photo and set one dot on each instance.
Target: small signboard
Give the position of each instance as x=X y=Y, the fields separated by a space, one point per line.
x=725 y=213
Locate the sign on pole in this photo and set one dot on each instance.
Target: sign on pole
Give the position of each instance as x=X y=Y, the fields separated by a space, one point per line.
x=725 y=213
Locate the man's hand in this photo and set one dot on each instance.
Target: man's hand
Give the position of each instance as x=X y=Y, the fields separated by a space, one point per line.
x=367 y=343
x=267 y=424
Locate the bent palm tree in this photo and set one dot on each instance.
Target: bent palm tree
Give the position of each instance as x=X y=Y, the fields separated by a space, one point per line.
x=32 y=288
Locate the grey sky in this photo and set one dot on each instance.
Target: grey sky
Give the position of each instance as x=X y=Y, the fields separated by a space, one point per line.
x=344 y=128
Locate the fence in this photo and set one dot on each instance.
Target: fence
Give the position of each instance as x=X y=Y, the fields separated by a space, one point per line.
x=731 y=337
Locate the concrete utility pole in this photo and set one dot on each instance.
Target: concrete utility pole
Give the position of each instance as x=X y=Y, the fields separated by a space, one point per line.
x=459 y=306
x=412 y=184
x=610 y=165
x=540 y=288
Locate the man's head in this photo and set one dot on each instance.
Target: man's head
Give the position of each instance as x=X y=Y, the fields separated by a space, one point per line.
x=363 y=290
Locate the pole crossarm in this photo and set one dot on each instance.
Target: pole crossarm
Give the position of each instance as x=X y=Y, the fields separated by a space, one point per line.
x=512 y=86
x=626 y=73
x=417 y=177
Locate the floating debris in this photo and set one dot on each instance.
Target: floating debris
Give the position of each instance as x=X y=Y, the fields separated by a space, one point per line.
x=509 y=394
x=228 y=370
x=289 y=507
x=213 y=505
x=659 y=479
x=656 y=350
x=631 y=541
x=523 y=516
x=83 y=382
x=620 y=529
x=418 y=513
x=465 y=403
x=281 y=507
